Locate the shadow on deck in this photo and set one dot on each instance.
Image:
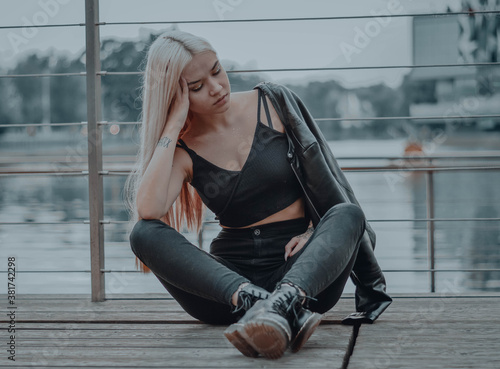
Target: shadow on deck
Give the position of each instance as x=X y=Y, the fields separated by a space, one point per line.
x=152 y=331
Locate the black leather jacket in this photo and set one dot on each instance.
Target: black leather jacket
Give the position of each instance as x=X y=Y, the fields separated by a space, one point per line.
x=313 y=162
x=325 y=185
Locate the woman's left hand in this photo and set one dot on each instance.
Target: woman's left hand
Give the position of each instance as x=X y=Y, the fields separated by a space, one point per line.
x=297 y=243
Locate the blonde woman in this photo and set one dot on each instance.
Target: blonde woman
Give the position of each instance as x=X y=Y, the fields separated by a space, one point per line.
x=291 y=229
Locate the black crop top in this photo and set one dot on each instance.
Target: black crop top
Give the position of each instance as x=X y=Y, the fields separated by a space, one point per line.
x=265 y=185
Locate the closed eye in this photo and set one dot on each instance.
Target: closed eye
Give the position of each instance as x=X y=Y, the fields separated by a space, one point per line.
x=196 y=89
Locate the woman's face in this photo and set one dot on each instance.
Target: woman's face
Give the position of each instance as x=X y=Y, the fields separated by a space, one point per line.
x=209 y=89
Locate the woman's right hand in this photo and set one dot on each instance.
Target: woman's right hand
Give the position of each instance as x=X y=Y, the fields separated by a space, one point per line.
x=179 y=107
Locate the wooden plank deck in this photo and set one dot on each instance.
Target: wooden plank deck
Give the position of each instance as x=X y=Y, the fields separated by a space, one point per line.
x=152 y=331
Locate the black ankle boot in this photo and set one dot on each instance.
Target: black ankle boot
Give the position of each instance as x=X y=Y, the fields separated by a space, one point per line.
x=272 y=324
x=247 y=297
x=303 y=326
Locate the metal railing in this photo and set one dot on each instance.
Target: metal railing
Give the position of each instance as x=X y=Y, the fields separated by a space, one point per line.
x=95 y=172
x=96 y=203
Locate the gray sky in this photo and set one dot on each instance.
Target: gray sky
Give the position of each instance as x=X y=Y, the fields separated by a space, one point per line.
x=333 y=43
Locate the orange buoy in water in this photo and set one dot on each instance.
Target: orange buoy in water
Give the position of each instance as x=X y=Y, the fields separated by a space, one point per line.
x=413 y=147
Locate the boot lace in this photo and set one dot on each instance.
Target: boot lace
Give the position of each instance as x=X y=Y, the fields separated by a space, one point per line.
x=291 y=304
x=248 y=300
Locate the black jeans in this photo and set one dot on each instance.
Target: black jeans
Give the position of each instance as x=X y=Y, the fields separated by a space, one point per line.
x=203 y=283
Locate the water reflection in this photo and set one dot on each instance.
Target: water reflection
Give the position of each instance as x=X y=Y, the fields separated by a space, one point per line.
x=484 y=248
x=461 y=244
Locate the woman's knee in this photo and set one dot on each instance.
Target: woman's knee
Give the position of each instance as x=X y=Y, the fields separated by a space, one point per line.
x=143 y=233
x=137 y=235
x=352 y=211
x=348 y=214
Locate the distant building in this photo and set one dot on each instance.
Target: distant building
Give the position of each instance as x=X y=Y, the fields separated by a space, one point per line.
x=445 y=92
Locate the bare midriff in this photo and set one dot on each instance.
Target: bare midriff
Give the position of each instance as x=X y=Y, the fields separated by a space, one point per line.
x=294 y=211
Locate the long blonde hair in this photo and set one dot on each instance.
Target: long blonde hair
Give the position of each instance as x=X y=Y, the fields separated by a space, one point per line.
x=167 y=57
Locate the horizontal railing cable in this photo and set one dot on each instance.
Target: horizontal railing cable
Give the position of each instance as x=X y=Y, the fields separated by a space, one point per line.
x=435 y=220
x=45 y=26
x=407 y=220
x=345 y=169
x=106 y=123
x=85 y=221
x=440 y=270
x=292 y=19
x=384 y=270
x=45 y=173
x=374 y=169
x=443 y=117
x=318 y=69
x=267 y=70
x=37 y=75
x=440 y=117
x=302 y=19
x=433 y=117
x=22 y=125
x=418 y=156
x=404 y=169
x=45 y=223
x=131 y=158
x=48 y=271
x=399 y=220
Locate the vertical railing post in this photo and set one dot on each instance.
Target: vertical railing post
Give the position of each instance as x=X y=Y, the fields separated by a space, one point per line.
x=93 y=65
x=430 y=228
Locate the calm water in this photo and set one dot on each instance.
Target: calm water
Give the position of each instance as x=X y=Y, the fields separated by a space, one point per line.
x=400 y=245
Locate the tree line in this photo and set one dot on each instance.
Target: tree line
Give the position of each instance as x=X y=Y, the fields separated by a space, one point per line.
x=63 y=99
